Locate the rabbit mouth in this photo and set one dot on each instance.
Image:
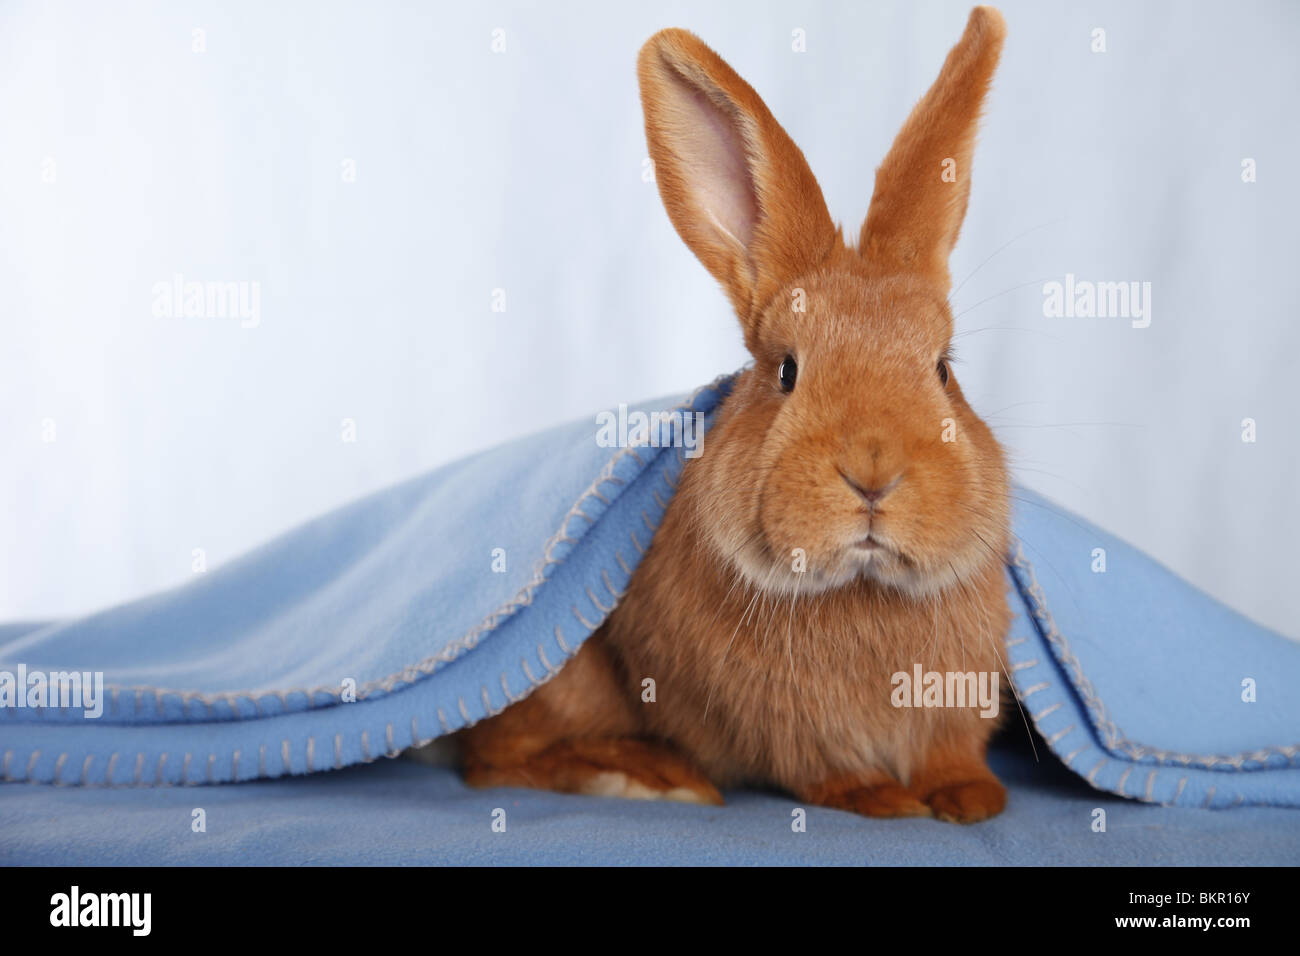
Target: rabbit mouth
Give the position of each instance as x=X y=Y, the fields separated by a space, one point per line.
x=874 y=547
x=877 y=558
x=870 y=544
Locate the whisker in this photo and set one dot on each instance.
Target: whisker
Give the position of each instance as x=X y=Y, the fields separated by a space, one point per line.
x=1023 y=285
x=1007 y=328
x=1071 y=424
x=1010 y=683
x=999 y=249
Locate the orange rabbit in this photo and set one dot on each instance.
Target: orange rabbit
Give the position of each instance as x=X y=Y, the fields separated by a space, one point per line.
x=849 y=516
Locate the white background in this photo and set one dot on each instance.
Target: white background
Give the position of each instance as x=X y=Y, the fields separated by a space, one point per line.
x=522 y=171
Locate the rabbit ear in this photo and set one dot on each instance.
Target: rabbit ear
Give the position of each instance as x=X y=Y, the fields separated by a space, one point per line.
x=737 y=189
x=923 y=185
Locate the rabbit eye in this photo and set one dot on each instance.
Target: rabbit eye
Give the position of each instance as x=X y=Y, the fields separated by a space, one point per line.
x=787 y=373
x=943 y=372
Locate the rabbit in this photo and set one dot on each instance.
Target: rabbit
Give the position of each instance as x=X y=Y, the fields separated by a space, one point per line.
x=846 y=441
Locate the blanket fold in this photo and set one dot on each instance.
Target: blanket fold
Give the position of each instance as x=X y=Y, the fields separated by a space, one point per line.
x=430 y=605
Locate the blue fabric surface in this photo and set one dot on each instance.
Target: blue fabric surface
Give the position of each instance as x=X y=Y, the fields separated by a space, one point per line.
x=243 y=673
x=1133 y=677
x=396 y=812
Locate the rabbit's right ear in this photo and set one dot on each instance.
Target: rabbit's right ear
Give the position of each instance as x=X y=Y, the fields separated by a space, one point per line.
x=737 y=189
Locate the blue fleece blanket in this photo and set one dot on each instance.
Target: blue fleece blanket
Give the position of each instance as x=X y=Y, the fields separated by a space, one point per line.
x=397 y=813
x=437 y=602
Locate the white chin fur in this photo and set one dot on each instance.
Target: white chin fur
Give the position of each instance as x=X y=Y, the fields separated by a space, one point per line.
x=758 y=571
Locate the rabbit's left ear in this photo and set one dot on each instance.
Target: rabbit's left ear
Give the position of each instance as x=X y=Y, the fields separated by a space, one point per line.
x=735 y=185
x=923 y=185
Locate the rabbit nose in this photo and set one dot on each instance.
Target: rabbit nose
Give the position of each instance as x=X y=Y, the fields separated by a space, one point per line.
x=872 y=496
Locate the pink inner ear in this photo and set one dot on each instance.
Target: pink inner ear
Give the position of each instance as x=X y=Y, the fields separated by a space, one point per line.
x=710 y=145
